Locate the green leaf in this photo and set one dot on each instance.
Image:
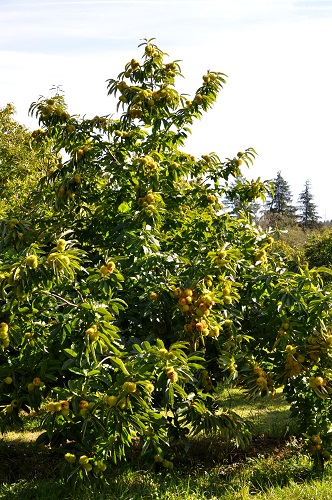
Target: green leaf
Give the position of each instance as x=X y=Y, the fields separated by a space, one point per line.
x=120 y=364
x=77 y=371
x=93 y=372
x=70 y=353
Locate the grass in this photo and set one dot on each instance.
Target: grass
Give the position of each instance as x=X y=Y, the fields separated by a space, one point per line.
x=272 y=468
x=269 y=417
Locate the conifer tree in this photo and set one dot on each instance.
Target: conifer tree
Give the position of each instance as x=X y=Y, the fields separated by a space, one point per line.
x=279 y=210
x=281 y=200
x=308 y=216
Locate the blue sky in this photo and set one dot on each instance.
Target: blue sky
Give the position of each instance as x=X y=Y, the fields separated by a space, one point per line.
x=276 y=54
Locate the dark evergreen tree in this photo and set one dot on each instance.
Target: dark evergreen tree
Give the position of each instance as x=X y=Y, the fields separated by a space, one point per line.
x=279 y=210
x=308 y=217
x=280 y=201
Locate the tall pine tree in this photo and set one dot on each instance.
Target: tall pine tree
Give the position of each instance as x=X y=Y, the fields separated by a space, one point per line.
x=279 y=209
x=308 y=217
x=281 y=200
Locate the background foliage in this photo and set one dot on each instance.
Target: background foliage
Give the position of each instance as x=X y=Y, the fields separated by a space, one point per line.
x=20 y=165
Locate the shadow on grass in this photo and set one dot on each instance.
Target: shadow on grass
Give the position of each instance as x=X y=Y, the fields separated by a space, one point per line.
x=26 y=461
x=204 y=473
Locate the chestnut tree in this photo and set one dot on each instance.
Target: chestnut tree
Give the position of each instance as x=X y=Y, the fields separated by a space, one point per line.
x=129 y=293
